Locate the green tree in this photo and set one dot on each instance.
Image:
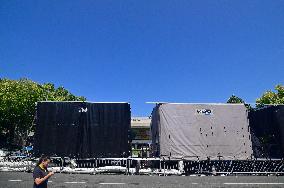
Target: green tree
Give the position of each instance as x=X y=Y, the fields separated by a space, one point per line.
x=17 y=107
x=270 y=97
x=234 y=99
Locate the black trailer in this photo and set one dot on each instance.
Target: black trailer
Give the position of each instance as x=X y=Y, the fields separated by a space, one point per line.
x=82 y=129
x=267 y=125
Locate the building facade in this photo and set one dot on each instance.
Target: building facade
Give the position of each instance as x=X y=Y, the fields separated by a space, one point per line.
x=141 y=136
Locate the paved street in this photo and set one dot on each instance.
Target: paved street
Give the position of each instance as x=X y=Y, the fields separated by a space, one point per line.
x=23 y=180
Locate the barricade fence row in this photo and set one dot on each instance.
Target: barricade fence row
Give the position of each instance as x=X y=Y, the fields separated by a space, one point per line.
x=150 y=166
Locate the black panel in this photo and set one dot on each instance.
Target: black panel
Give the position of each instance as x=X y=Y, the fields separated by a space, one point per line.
x=82 y=130
x=267 y=128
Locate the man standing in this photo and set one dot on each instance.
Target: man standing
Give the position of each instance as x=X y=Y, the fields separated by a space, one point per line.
x=40 y=174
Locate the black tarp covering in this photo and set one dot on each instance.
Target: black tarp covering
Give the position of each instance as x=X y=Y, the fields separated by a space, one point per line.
x=82 y=129
x=267 y=129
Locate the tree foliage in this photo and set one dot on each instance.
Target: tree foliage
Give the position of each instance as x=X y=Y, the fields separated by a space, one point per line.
x=237 y=100
x=270 y=97
x=17 y=106
x=234 y=99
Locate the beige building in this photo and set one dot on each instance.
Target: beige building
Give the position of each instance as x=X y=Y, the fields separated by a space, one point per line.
x=141 y=136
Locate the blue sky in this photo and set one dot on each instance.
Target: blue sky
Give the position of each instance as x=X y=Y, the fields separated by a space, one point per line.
x=138 y=51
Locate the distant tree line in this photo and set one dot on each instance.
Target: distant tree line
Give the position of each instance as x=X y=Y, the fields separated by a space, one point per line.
x=17 y=107
x=269 y=97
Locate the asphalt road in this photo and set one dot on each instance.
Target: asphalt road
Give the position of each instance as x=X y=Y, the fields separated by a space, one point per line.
x=23 y=180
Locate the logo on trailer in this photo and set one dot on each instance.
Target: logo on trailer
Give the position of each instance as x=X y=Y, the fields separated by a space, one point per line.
x=204 y=112
x=83 y=109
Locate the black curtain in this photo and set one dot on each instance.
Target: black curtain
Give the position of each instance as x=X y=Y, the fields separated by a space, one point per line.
x=82 y=130
x=267 y=127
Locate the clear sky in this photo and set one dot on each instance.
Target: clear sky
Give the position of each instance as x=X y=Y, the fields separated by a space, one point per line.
x=139 y=51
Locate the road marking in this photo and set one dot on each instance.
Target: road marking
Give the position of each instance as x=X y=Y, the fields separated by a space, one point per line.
x=49 y=181
x=111 y=183
x=253 y=183
x=75 y=182
x=15 y=180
